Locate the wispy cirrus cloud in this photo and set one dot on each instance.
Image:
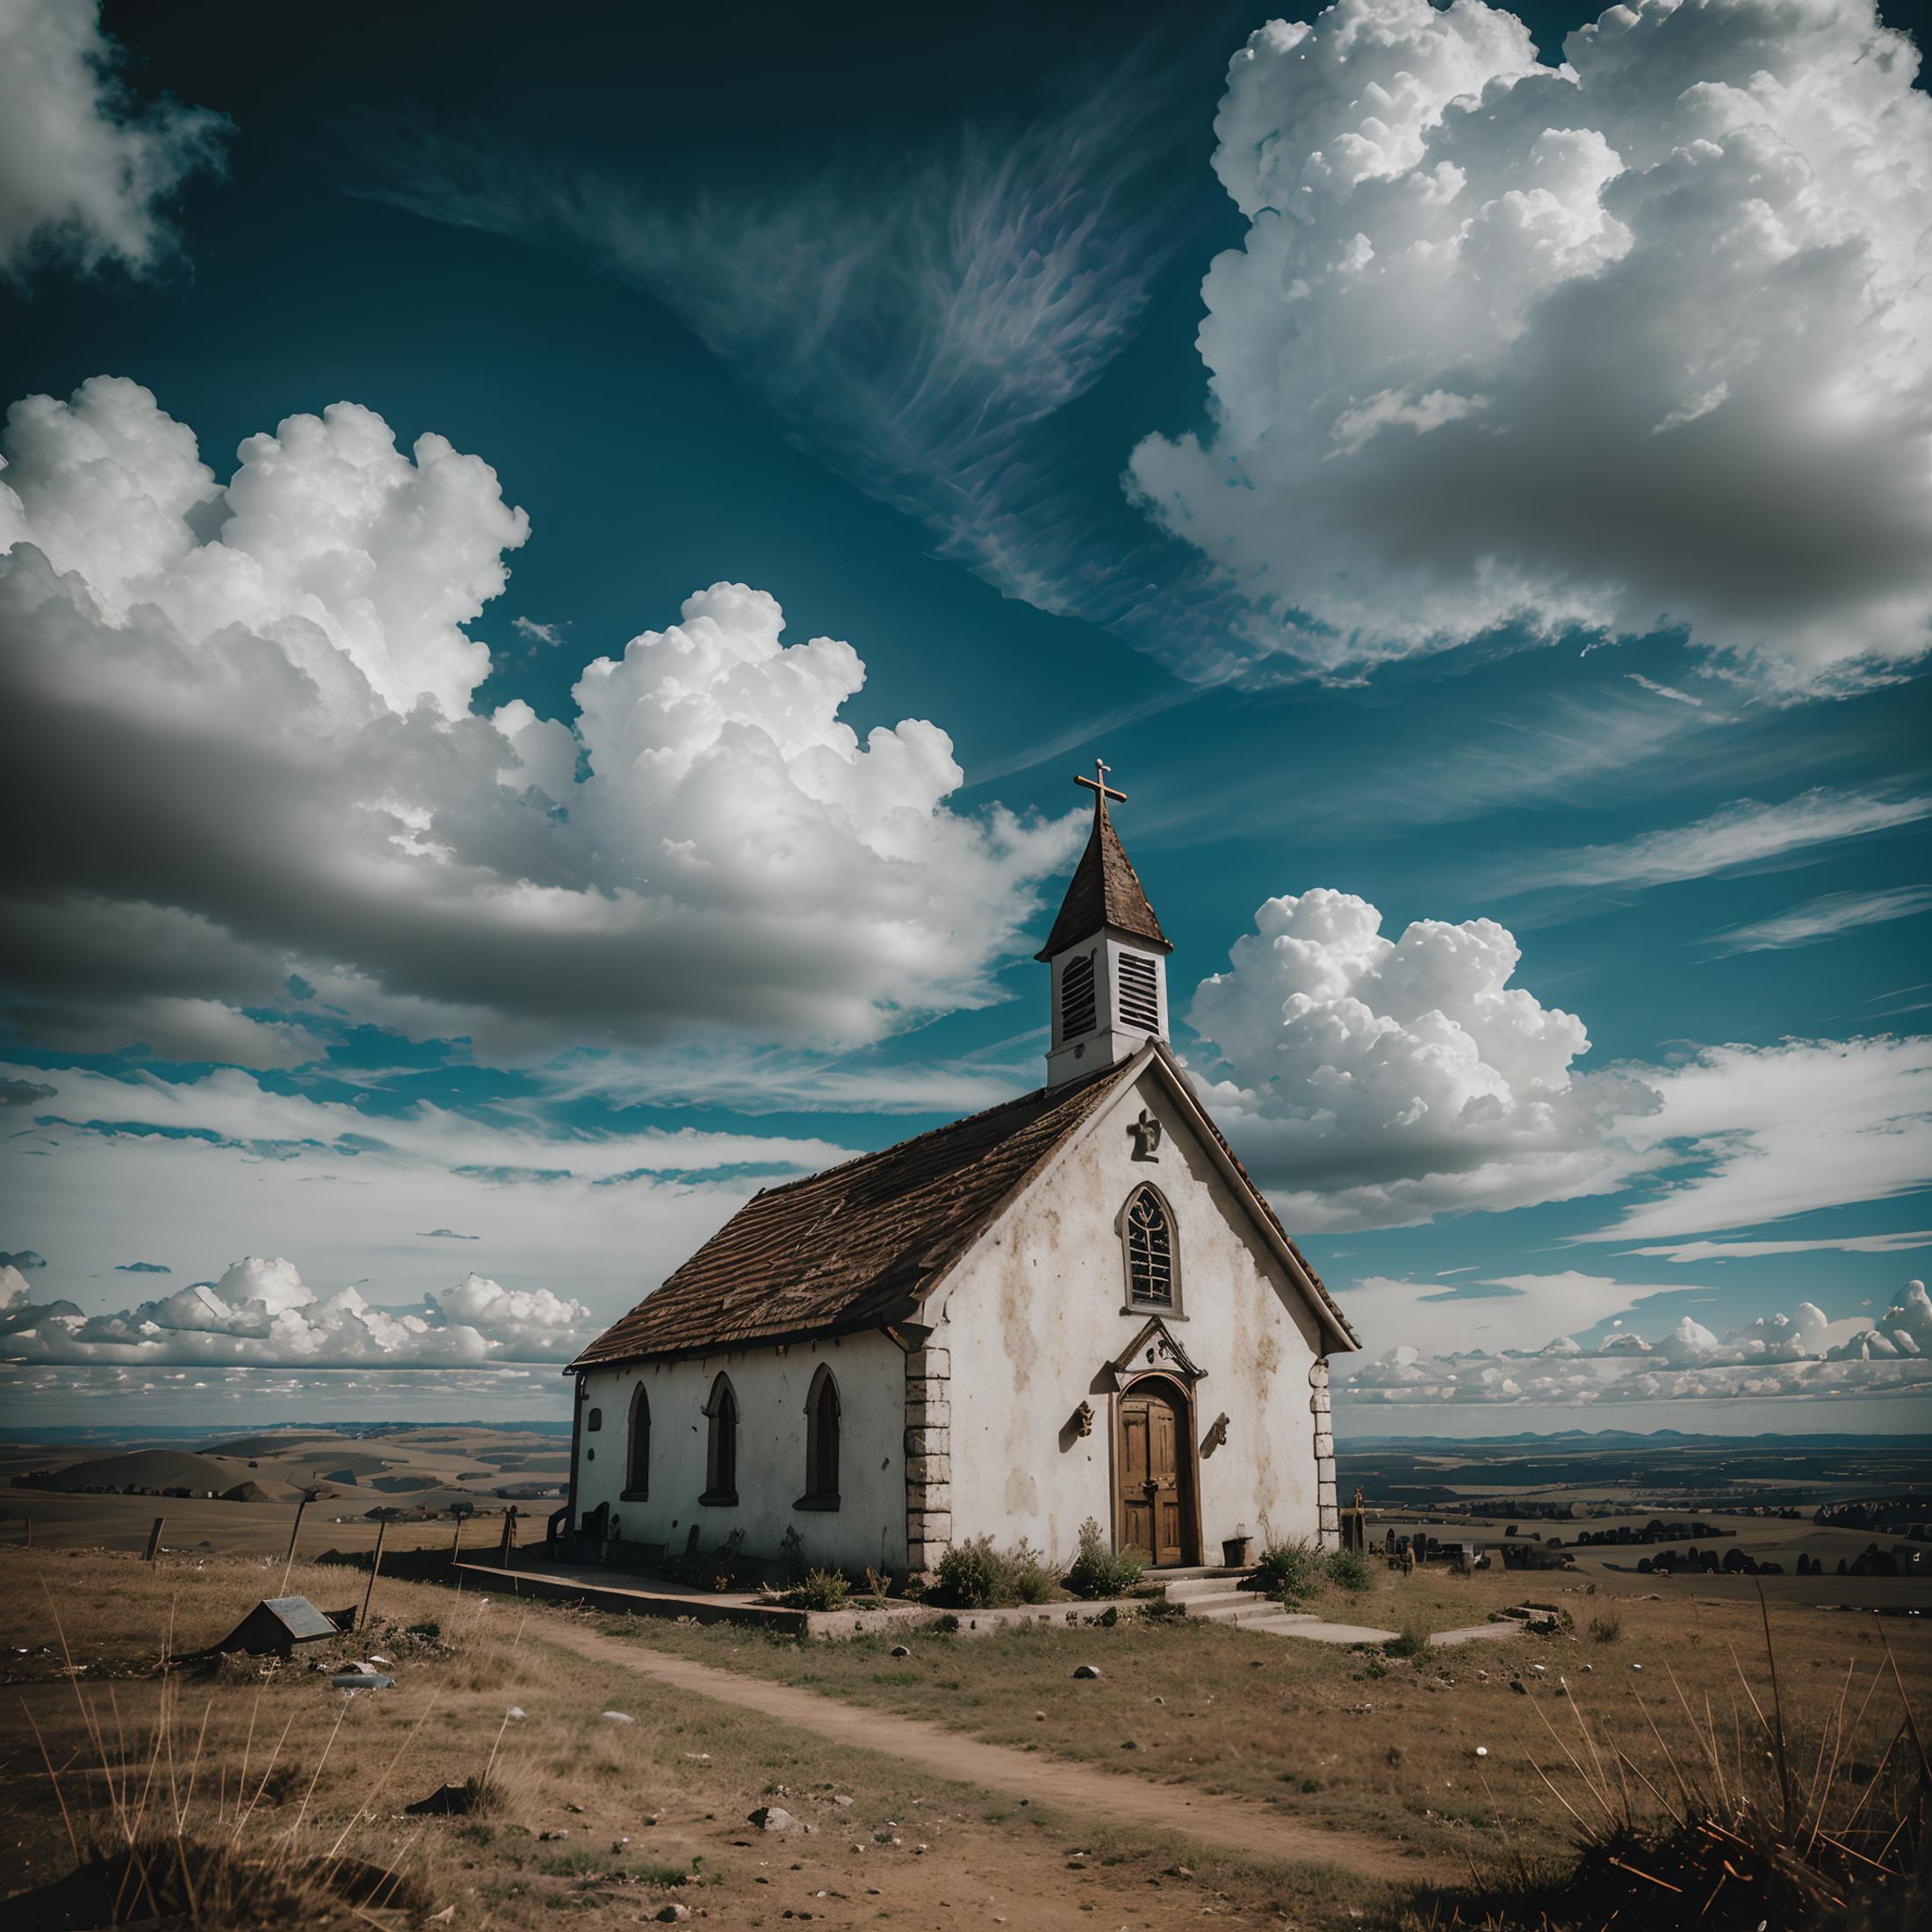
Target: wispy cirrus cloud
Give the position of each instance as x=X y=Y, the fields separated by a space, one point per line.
x=1825 y=917
x=913 y=323
x=1681 y=1253
x=1742 y=833
x=1755 y=1134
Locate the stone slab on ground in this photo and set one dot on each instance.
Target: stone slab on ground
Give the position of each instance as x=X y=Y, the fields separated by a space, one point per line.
x=1477 y=1633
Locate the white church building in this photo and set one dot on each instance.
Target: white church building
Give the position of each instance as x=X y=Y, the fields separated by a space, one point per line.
x=1074 y=1305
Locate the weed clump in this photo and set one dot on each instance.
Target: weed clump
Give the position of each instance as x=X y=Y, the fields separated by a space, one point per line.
x=1290 y=1573
x=820 y=1590
x=1098 y=1571
x=976 y=1576
x=1411 y=1642
x=1606 y=1628
x=1348 y=1569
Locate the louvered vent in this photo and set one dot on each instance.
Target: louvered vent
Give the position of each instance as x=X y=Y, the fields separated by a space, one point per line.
x=1078 y=1014
x=1140 y=1003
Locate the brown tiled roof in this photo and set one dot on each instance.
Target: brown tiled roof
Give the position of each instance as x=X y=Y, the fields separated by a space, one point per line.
x=859 y=1244
x=856 y=1245
x=1106 y=892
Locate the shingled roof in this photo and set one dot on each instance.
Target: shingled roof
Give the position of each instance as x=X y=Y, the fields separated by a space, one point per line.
x=855 y=1246
x=858 y=1246
x=1106 y=890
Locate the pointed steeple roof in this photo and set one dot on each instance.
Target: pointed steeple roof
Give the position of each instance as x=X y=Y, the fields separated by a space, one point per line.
x=1105 y=889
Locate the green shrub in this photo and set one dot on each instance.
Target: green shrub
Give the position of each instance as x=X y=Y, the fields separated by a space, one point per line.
x=976 y=1576
x=1606 y=1628
x=1289 y=1572
x=821 y=1589
x=1099 y=1571
x=1348 y=1569
x=1413 y=1642
x=968 y=1574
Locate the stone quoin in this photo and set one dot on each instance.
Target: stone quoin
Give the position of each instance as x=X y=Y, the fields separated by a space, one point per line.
x=1073 y=1305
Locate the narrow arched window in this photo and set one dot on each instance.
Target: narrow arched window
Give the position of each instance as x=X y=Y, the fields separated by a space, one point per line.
x=822 y=1443
x=637 y=1465
x=1150 y=1252
x=721 y=1445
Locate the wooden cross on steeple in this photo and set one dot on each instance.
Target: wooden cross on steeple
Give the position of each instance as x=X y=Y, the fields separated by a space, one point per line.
x=1102 y=791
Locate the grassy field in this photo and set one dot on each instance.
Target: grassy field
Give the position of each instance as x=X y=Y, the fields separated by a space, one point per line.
x=265 y=1769
x=268 y=1760
x=1384 y=1744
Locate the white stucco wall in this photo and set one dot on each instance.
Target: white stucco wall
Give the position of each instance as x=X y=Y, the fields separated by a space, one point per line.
x=868 y=1527
x=1040 y=1308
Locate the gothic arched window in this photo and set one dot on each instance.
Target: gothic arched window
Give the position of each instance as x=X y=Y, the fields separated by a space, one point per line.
x=1150 y=1251
x=821 y=1443
x=721 y=1445
x=636 y=1475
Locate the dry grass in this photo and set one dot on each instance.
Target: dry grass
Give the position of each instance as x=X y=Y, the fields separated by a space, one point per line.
x=1799 y=1825
x=296 y=1800
x=1377 y=1743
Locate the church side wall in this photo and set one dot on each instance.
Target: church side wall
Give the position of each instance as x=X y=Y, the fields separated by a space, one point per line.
x=1031 y=1318
x=869 y=1526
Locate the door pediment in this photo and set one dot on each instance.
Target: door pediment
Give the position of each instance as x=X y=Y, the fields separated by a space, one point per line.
x=1155 y=1347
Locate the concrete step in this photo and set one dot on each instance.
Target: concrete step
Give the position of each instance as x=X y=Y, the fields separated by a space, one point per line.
x=1186 y=1589
x=1194 y=1573
x=1247 y=1606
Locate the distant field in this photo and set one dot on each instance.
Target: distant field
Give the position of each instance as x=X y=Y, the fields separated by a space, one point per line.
x=353 y=1473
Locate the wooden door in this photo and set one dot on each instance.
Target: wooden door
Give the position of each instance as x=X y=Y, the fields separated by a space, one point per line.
x=1154 y=1515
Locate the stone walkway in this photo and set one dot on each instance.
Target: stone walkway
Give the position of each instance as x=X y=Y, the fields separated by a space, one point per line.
x=1082 y=1792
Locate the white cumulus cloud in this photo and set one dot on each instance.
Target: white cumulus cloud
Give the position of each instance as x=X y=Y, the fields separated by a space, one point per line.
x=243 y=712
x=1802 y=1356
x=1643 y=340
x=261 y=1313
x=86 y=167
x=1371 y=1081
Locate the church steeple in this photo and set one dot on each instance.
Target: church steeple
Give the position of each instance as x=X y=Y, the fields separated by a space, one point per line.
x=1107 y=955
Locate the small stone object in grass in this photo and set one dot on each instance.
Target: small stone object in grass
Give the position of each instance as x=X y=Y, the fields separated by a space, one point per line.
x=545 y=1837
x=1130 y=1745
x=776 y=1818
x=899 y=1650
x=620 y=1717
x=1088 y=1671
x=672 y=1914
x=1482 y=1750
x=1039 y=1717
x=1636 y=1666
x=844 y=1804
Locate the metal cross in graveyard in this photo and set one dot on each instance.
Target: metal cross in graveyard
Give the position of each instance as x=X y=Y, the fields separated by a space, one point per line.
x=1098 y=785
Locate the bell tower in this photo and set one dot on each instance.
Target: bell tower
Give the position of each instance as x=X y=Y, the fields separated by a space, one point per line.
x=1106 y=958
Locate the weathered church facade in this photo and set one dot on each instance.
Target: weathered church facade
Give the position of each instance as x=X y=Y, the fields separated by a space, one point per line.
x=1074 y=1305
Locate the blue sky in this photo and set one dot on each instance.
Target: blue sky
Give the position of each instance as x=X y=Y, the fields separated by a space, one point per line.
x=1525 y=522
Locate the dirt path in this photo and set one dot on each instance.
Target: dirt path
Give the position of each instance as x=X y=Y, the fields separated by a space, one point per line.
x=1230 y=1824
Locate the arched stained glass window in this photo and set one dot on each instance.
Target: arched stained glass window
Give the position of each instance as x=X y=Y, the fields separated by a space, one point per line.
x=1150 y=1252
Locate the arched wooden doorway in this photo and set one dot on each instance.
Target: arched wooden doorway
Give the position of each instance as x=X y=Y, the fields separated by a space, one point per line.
x=1154 y=1472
